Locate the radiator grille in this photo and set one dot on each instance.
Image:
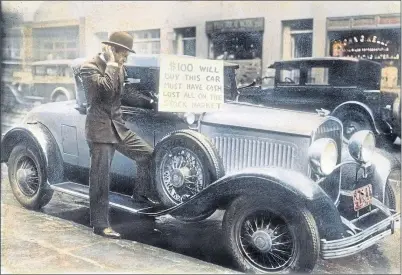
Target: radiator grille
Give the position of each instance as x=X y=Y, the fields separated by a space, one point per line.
x=241 y=152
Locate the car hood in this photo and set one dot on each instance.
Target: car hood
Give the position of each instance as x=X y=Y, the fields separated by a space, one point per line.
x=264 y=118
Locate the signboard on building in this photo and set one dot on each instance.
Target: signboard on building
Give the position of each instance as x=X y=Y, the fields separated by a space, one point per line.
x=364 y=22
x=235 y=25
x=365 y=46
x=190 y=84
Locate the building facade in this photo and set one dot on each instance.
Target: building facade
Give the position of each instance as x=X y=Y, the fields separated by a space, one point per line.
x=252 y=34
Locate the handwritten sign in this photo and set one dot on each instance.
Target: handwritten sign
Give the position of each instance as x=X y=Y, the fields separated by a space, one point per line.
x=189 y=84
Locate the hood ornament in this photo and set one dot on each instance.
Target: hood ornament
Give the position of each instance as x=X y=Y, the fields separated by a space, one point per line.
x=322 y=112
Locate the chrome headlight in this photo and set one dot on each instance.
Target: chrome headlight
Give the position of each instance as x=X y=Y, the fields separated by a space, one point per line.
x=323 y=156
x=361 y=146
x=190 y=118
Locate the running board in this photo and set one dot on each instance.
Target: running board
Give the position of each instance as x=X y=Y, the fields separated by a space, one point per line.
x=116 y=200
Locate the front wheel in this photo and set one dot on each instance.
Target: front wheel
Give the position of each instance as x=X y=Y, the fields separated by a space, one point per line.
x=27 y=177
x=265 y=237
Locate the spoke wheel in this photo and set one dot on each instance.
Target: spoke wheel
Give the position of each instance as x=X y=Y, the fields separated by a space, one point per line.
x=266 y=241
x=27 y=176
x=264 y=235
x=185 y=162
x=182 y=174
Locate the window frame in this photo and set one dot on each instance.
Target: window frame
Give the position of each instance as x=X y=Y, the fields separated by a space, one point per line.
x=309 y=68
x=11 y=46
x=290 y=68
x=150 y=41
x=296 y=27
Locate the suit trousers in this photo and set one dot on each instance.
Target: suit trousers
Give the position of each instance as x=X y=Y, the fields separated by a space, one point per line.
x=101 y=156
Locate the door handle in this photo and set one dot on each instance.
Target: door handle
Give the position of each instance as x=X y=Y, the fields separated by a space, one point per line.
x=131 y=80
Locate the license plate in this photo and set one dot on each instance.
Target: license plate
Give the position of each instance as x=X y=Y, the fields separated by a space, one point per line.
x=362 y=197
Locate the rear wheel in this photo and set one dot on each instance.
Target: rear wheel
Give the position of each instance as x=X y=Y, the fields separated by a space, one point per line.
x=27 y=177
x=267 y=237
x=184 y=163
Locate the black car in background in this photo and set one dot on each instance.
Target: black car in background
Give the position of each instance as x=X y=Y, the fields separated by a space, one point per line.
x=347 y=88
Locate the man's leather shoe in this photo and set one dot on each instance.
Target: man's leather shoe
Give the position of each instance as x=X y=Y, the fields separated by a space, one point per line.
x=106 y=232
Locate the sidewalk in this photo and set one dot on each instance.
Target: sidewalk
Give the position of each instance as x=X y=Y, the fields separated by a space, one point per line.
x=53 y=245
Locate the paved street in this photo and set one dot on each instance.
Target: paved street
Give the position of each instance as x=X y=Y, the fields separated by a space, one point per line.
x=58 y=239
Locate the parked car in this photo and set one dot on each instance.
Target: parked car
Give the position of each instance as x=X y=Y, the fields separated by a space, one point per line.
x=292 y=191
x=9 y=83
x=48 y=81
x=348 y=88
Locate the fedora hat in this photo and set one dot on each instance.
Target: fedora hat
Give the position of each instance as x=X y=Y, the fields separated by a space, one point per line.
x=121 y=39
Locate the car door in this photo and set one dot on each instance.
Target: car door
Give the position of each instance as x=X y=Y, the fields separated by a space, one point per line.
x=307 y=90
x=146 y=123
x=151 y=126
x=289 y=91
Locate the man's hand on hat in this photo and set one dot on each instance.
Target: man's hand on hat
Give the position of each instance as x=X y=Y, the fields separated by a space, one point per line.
x=108 y=53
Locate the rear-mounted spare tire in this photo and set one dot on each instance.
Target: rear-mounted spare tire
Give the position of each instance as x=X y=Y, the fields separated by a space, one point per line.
x=184 y=163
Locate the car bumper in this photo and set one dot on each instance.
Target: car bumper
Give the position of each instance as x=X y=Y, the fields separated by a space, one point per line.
x=360 y=241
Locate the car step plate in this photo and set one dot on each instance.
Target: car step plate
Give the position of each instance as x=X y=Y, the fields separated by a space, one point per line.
x=116 y=200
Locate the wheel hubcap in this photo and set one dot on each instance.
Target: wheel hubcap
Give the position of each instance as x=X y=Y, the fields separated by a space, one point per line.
x=27 y=177
x=262 y=240
x=179 y=176
x=182 y=174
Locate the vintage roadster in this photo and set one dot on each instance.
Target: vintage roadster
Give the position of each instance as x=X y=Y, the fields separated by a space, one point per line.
x=348 y=88
x=291 y=190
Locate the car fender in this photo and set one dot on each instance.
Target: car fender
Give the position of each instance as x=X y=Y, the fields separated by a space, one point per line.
x=362 y=106
x=290 y=185
x=69 y=94
x=382 y=165
x=38 y=135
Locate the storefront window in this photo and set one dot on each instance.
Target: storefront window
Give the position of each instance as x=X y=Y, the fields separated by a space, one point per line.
x=238 y=40
x=237 y=46
x=380 y=45
x=297 y=37
x=56 y=43
x=185 y=41
x=12 y=47
x=146 y=41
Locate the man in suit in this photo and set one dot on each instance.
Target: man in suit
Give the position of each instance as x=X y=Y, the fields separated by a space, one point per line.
x=105 y=131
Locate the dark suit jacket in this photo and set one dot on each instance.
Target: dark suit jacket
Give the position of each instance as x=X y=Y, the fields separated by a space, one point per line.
x=103 y=85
